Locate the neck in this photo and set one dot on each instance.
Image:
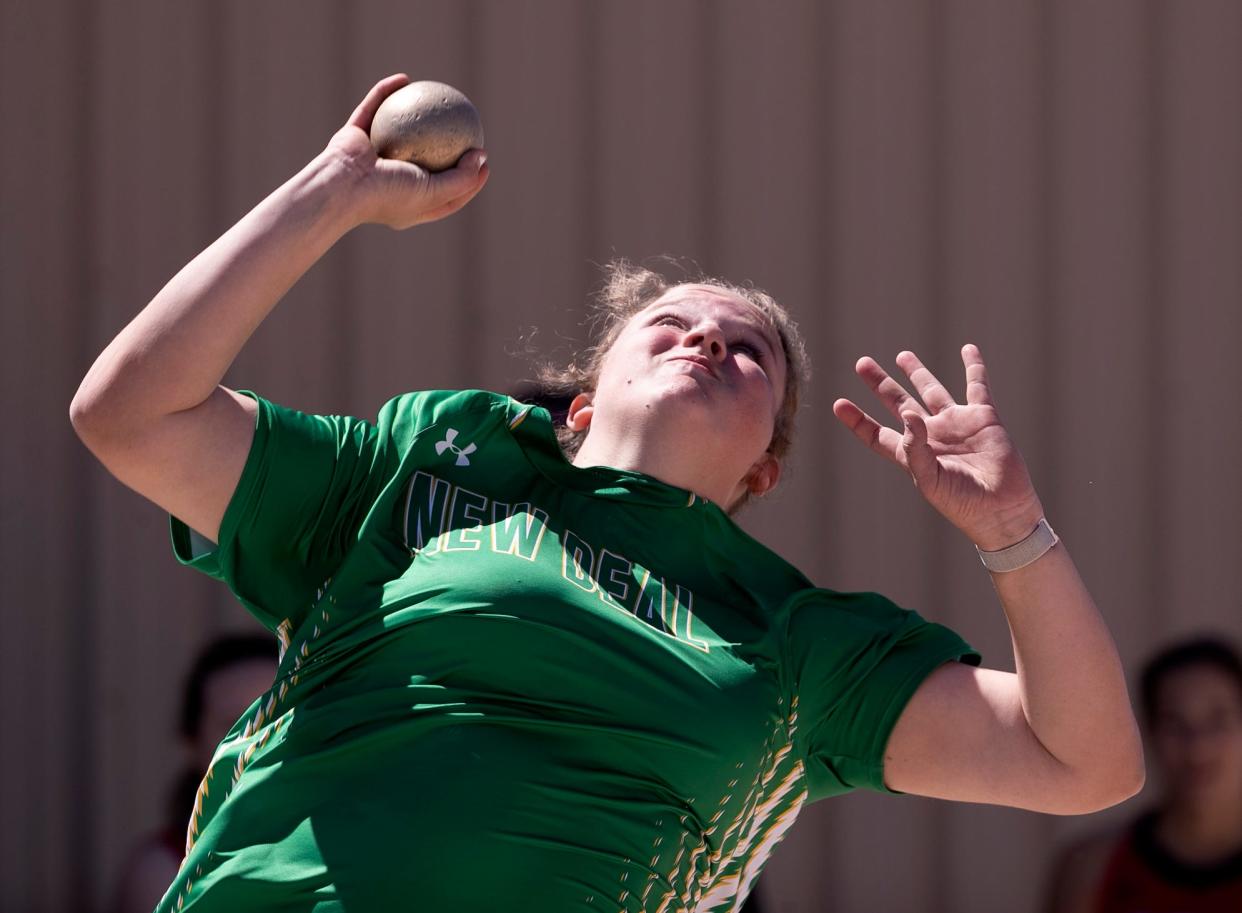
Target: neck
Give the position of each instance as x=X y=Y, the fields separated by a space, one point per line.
x=661 y=456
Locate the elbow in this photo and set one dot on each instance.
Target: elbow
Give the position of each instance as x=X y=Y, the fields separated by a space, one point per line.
x=1130 y=769
x=1120 y=780
x=81 y=413
x=1137 y=777
x=1140 y=778
x=95 y=418
x=99 y=401
x=1127 y=784
x=85 y=413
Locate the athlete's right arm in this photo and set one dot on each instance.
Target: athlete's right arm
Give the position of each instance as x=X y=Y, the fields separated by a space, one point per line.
x=152 y=407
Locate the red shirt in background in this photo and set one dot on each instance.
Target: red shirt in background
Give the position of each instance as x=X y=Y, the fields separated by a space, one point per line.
x=1142 y=877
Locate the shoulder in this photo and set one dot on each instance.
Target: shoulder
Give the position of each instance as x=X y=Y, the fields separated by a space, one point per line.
x=847 y=619
x=420 y=408
x=452 y=419
x=831 y=626
x=862 y=607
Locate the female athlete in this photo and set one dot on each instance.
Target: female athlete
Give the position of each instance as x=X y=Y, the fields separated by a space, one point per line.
x=511 y=680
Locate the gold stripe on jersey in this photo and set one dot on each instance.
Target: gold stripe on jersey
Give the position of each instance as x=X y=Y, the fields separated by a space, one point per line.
x=284 y=631
x=771 y=836
x=720 y=875
x=762 y=828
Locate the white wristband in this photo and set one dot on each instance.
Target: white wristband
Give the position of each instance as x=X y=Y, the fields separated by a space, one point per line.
x=1029 y=550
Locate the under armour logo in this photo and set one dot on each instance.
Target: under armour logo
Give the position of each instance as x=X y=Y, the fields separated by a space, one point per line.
x=463 y=458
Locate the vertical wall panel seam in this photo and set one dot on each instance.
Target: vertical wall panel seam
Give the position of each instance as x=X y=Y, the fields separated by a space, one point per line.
x=935 y=273
x=215 y=601
x=1156 y=307
x=82 y=670
x=470 y=256
x=1046 y=304
x=1237 y=209
x=823 y=259
x=710 y=164
x=1049 y=219
x=589 y=202
x=347 y=357
x=935 y=542
x=823 y=275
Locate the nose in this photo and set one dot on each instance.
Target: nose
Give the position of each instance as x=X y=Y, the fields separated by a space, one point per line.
x=708 y=338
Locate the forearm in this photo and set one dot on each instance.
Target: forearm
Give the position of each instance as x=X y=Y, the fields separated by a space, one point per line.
x=175 y=352
x=1059 y=735
x=1071 y=681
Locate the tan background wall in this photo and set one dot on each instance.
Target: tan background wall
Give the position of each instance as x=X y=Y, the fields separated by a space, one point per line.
x=1058 y=182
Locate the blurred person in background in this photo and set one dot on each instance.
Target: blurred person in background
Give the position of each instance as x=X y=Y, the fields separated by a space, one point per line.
x=227 y=676
x=1184 y=855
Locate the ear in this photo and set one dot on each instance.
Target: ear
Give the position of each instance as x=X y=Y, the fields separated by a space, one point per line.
x=763 y=476
x=581 y=410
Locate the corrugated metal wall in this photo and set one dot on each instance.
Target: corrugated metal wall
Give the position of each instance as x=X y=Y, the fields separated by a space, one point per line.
x=1059 y=182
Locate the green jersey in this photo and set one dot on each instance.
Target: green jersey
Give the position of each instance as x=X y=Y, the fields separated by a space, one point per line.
x=507 y=682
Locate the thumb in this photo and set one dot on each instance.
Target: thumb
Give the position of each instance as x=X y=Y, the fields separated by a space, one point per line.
x=919 y=457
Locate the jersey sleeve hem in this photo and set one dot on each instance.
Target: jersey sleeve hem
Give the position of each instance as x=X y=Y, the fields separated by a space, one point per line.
x=190 y=547
x=902 y=688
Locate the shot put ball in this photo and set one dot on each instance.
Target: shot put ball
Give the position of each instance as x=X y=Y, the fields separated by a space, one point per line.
x=428 y=123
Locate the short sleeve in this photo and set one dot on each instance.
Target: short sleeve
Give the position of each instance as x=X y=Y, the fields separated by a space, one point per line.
x=854 y=661
x=307 y=483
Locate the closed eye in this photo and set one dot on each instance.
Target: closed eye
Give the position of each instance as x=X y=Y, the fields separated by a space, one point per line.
x=751 y=351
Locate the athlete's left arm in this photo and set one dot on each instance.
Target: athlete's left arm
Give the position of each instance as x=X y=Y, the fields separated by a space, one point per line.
x=1058 y=736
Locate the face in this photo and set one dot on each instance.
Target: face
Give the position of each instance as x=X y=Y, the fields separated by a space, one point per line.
x=708 y=357
x=226 y=694
x=1197 y=733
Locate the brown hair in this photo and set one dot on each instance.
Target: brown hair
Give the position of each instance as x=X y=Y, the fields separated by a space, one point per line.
x=629 y=289
x=1206 y=650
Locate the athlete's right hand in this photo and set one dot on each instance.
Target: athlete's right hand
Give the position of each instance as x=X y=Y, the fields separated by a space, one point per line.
x=392 y=192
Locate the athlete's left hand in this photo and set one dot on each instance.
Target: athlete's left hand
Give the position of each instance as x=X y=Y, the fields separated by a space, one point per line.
x=960 y=456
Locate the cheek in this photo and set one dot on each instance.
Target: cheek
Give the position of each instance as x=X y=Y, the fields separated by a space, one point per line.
x=1231 y=741
x=625 y=362
x=764 y=395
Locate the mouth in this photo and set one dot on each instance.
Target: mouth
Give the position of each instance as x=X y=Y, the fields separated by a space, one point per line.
x=699 y=360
